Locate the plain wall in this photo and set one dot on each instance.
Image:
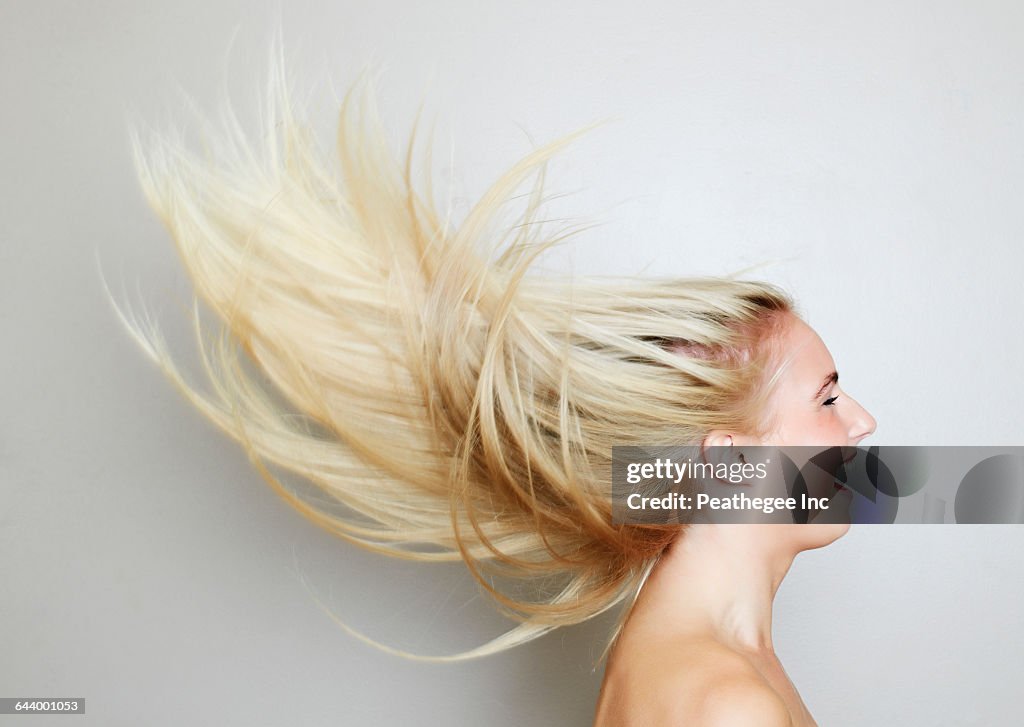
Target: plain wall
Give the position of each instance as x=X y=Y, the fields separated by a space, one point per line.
x=872 y=149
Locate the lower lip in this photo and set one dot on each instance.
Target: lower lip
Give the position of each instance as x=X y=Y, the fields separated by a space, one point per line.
x=840 y=489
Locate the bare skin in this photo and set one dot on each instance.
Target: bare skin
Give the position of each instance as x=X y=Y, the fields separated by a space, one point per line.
x=697 y=647
x=690 y=665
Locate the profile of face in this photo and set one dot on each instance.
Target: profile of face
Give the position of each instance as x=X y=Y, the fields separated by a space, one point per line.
x=808 y=408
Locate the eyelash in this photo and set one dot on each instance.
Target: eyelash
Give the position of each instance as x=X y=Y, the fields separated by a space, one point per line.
x=830 y=401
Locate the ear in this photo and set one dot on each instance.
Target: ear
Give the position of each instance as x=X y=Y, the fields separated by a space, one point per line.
x=727 y=447
x=718 y=438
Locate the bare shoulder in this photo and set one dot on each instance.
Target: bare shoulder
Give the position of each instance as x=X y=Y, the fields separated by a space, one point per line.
x=699 y=683
x=738 y=703
x=725 y=690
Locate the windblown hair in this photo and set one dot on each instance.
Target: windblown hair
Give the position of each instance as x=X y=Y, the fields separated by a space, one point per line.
x=457 y=404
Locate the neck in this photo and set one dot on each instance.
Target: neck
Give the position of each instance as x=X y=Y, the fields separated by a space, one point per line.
x=718 y=580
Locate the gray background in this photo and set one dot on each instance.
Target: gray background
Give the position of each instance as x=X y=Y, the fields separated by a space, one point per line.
x=873 y=149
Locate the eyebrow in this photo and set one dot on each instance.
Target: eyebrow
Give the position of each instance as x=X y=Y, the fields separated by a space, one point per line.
x=832 y=378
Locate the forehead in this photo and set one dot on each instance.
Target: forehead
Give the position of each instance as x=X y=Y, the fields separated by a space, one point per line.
x=806 y=358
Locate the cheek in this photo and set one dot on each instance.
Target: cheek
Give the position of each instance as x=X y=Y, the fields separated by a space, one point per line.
x=802 y=426
x=836 y=429
x=808 y=429
x=822 y=429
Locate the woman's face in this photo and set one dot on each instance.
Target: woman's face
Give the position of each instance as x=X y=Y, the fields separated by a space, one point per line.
x=808 y=406
x=809 y=409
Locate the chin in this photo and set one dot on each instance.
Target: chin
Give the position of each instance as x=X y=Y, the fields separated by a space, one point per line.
x=818 y=535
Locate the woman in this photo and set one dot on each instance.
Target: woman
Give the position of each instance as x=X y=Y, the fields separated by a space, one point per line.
x=454 y=407
x=697 y=648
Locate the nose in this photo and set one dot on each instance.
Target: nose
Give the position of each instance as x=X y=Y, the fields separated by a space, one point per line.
x=862 y=424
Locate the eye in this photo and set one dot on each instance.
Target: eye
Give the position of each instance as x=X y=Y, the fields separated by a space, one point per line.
x=830 y=401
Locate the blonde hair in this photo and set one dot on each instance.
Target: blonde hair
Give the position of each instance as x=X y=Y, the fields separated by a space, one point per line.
x=457 y=407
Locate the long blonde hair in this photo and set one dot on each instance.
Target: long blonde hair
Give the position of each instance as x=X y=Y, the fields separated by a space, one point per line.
x=452 y=402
